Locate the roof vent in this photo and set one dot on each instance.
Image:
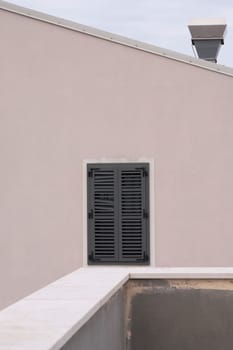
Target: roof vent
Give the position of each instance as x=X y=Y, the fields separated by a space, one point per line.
x=207 y=37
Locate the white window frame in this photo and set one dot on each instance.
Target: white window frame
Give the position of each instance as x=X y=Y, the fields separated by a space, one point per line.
x=151 y=201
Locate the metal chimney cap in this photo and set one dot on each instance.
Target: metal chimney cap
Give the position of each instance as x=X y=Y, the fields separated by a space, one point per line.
x=207 y=28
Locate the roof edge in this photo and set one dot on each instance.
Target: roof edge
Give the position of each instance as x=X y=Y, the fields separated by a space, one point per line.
x=115 y=38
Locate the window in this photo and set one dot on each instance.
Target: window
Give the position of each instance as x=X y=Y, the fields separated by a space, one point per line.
x=118 y=213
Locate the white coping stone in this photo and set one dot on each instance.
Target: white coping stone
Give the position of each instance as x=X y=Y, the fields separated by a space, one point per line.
x=48 y=318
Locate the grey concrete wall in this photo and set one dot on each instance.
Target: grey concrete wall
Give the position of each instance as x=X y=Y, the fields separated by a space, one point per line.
x=180 y=315
x=65 y=97
x=105 y=330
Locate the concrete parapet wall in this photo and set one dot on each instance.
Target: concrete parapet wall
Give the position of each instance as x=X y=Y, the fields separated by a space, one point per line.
x=105 y=330
x=125 y=309
x=162 y=314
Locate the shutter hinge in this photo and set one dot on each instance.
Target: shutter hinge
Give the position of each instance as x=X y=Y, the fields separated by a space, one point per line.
x=144 y=171
x=90 y=214
x=145 y=214
x=145 y=256
x=91 y=257
x=90 y=173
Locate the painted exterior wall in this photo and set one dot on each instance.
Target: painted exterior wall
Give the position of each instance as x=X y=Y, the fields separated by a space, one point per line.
x=66 y=97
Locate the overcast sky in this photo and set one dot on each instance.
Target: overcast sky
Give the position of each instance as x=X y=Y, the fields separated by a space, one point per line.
x=162 y=23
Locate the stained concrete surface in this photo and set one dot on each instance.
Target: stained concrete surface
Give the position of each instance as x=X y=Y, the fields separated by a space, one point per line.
x=179 y=315
x=105 y=330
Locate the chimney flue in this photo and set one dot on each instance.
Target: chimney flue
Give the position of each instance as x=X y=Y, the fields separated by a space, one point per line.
x=207 y=37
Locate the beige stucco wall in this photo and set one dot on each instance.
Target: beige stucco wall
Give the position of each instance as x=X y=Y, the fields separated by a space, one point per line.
x=66 y=97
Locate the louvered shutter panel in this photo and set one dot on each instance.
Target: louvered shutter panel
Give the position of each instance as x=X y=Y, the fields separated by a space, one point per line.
x=102 y=214
x=133 y=213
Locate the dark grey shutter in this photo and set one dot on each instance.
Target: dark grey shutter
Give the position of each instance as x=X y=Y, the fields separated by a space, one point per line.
x=118 y=209
x=133 y=214
x=102 y=221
